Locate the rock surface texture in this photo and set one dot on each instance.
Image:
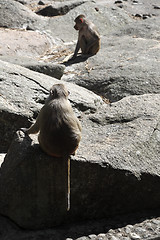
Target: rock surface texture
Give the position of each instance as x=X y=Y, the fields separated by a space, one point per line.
x=115 y=174
x=28 y=190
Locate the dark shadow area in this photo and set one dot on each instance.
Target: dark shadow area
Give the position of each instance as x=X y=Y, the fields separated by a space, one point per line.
x=85 y=228
x=78 y=59
x=77 y=229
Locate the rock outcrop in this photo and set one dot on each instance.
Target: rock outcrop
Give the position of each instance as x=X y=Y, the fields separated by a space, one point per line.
x=33 y=187
x=116 y=168
x=23 y=93
x=16 y=15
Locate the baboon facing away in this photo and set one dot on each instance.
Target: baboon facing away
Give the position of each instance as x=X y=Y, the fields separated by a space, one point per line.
x=59 y=129
x=88 y=37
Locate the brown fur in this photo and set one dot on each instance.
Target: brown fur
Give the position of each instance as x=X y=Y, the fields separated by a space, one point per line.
x=58 y=127
x=88 y=37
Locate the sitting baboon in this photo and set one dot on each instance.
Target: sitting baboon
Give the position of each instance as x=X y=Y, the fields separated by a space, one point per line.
x=88 y=37
x=59 y=129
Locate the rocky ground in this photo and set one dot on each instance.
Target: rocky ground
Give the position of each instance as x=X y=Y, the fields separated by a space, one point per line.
x=124 y=75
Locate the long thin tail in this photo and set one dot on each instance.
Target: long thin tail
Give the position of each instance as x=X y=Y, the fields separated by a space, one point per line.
x=69 y=187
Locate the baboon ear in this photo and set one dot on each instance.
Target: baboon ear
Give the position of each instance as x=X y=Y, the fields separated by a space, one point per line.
x=53 y=93
x=81 y=20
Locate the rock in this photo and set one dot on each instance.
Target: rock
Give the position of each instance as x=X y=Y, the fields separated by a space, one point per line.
x=33 y=187
x=114 y=73
x=128 y=229
x=156 y=7
x=120 y=6
x=119 y=147
x=31 y=88
x=41 y=3
x=33 y=46
x=21 y=1
x=135 y=2
x=104 y=19
x=23 y=17
x=145 y=16
x=2 y=155
x=154 y=238
x=59 y=9
x=114 y=238
x=134 y=236
x=53 y=70
x=117 y=72
x=82 y=238
x=138 y=15
x=118 y=2
x=92 y=236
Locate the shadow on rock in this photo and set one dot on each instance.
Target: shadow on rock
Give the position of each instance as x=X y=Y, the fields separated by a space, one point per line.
x=76 y=60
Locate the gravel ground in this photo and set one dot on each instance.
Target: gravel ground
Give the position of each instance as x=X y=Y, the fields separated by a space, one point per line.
x=148 y=229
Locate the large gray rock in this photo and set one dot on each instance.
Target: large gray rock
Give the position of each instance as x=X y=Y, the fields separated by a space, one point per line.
x=15 y=15
x=21 y=43
x=58 y=8
x=115 y=171
x=53 y=70
x=128 y=61
x=23 y=93
x=116 y=168
x=35 y=186
x=107 y=20
x=29 y=52
x=128 y=66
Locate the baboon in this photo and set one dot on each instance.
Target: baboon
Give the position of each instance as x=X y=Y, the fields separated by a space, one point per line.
x=59 y=129
x=88 y=37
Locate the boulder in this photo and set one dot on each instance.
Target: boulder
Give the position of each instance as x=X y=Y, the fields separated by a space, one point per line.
x=23 y=93
x=116 y=168
x=128 y=66
x=16 y=43
x=35 y=186
x=107 y=20
x=115 y=171
x=54 y=70
x=16 y=15
x=58 y=8
x=127 y=63
x=29 y=52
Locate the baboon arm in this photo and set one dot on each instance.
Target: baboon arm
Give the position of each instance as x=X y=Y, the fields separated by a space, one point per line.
x=36 y=126
x=33 y=129
x=76 y=49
